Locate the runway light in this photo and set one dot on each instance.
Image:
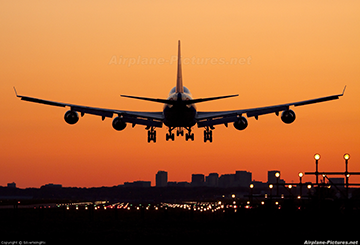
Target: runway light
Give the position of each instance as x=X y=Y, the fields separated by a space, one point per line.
x=346 y=156
x=317 y=156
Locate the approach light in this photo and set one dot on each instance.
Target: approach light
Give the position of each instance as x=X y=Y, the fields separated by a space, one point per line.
x=346 y=156
x=309 y=187
x=251 y=186
x=233 y=195
x=301 y=174
x=271 y=186
x=290 y=186
x=277 y=174
x=317 y=156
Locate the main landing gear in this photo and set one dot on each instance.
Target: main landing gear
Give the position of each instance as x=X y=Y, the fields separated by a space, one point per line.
x=208 y=134
x=189 y=135
x=170 y=135
x=151 y=134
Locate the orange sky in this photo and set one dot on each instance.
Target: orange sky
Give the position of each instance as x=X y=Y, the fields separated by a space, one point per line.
x=70 y=51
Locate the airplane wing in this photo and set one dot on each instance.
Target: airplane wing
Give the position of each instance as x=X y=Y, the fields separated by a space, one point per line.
x=153 y=119
x=223 y=117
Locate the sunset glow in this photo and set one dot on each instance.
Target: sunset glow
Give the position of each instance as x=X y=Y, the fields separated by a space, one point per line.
x=90 y=52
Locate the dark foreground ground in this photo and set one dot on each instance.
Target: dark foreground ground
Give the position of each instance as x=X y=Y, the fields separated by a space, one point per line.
x=119 y=226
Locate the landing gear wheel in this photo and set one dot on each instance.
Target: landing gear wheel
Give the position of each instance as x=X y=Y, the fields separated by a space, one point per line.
x=189 y=136
x=170 y=136
x=208 y=135
x=152 y=135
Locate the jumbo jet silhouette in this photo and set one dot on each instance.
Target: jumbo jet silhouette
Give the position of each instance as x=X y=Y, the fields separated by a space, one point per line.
x=179 y=112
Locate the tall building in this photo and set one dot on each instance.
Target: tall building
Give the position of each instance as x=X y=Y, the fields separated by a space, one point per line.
x=212 y=180
x=227 y=180
x=243 y=178
x=271 y=176
x=161 y=179
x=197 y=179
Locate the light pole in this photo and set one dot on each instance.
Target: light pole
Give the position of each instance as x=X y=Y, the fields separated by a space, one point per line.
x=309 y=188
x=251 y=192
x=300 y=176
x=317 y=157
x=277 y=175
x=271 y=187
x=290 y=187
x=347 y=175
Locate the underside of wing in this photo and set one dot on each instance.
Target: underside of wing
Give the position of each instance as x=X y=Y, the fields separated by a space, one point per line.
x=152 y=119
x=205 y=119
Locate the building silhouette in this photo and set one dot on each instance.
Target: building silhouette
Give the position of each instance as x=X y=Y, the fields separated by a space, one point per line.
x=161 y=179
x=272 y=177
x=11 y=185
x=340 y=182
x=242 y=178
x=138 y=183
x=212 y=180
x=197 y=180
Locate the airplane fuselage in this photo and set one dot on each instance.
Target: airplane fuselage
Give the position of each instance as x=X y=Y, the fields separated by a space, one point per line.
x=179 y=114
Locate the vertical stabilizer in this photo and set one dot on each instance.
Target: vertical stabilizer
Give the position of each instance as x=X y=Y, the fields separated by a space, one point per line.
x=179 y=82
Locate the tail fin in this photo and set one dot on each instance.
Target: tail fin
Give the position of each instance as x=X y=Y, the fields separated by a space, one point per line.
x=179 y=82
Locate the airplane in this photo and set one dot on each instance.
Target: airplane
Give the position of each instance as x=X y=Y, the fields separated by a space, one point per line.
x=179 y=112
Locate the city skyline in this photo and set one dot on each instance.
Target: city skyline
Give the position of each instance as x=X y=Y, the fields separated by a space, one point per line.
x=240 y=178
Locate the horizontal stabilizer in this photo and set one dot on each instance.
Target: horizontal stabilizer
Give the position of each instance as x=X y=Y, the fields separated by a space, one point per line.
x=208 y=99
x=173 y=102
x=150 y=99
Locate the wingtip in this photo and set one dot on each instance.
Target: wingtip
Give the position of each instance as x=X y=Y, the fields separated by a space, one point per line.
x=15 y=91
x=344 y=90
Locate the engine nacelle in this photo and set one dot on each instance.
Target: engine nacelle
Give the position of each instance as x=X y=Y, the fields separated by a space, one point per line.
x=71 y=117
x=241 y=123
x=118 y=124
x=288 y=116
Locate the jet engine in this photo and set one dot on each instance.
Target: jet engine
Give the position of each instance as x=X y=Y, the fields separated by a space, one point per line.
x=71 y=117
x=241 y=123
x=118 y=124
x=288 y=116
